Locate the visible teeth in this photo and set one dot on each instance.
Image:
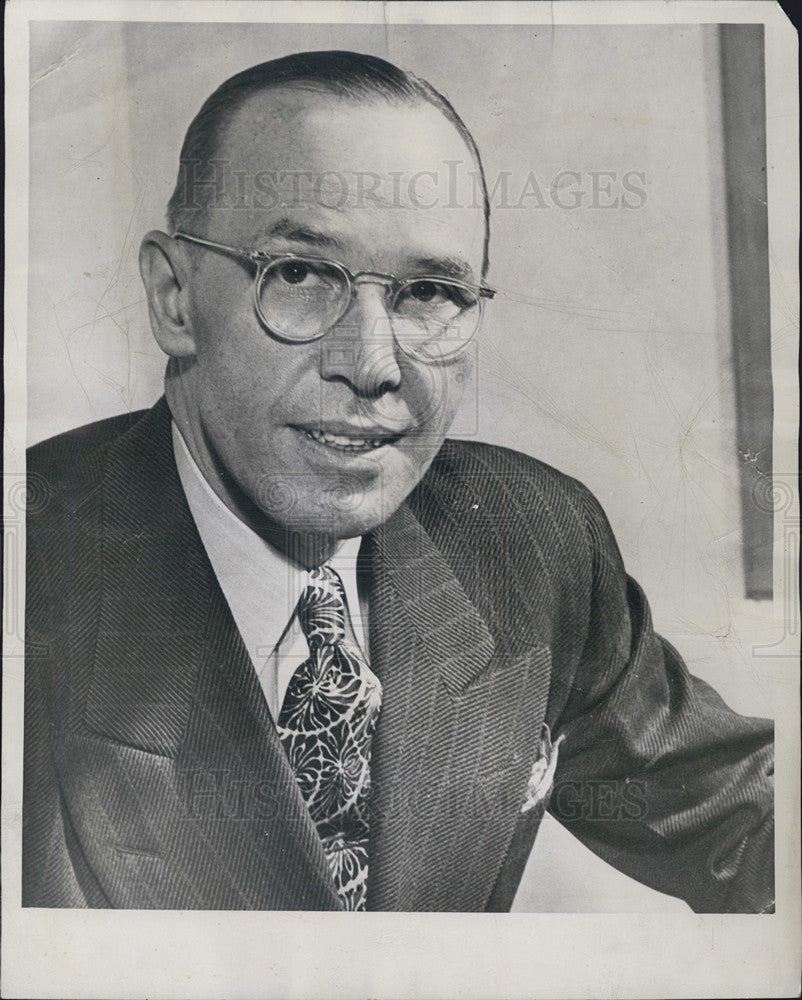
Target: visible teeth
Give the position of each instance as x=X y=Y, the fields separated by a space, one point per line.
x=340 y=441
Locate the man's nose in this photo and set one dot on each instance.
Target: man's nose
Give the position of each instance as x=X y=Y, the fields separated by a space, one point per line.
x=361 y=348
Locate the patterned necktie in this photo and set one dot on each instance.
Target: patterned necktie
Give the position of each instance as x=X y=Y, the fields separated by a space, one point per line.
x=326 y=726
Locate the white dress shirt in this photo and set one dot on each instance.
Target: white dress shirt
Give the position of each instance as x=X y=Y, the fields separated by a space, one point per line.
x=261 y=585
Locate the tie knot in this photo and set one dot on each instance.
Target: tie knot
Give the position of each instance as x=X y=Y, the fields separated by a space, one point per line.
x=321 y=609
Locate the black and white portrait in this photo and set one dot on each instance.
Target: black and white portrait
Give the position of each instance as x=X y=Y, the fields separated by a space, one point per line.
x=405 y=476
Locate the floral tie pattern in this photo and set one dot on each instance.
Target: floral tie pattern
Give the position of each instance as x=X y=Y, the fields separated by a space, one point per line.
x=326 y=726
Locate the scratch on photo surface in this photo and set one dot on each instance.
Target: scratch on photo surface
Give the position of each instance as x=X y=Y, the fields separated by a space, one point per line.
x=57 y=65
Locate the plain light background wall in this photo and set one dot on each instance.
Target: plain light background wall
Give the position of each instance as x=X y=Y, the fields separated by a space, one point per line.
x=609 y=354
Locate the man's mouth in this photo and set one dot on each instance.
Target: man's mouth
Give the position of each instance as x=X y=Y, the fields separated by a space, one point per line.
x=347 y=442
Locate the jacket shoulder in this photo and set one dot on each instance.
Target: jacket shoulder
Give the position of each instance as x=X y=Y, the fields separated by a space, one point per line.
x=526 y=541
x=56 y=457
x=505 y=478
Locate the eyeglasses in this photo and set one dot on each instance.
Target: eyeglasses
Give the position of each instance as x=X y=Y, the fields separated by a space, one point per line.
x=298 y=299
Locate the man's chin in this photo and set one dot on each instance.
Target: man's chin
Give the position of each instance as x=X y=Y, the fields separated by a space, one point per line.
x=345 y=524
x=342 y=506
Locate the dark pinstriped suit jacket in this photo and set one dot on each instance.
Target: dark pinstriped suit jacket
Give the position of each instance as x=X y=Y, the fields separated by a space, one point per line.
x=153 y=773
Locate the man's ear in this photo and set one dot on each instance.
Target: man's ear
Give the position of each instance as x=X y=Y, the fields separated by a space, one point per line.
x=164 y=269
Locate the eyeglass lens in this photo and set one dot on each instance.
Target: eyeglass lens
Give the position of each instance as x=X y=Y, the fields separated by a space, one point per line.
x=302 y=299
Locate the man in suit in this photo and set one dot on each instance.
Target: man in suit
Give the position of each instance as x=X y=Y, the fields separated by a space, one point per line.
x=291 y=648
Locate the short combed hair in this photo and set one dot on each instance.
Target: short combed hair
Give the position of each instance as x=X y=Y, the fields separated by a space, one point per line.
x=351 y=75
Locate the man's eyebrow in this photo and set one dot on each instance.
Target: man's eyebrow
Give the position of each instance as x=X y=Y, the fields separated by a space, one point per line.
x=289 y=230
x=448 y=267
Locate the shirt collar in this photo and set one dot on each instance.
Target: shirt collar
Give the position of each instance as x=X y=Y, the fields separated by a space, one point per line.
x=260 y=584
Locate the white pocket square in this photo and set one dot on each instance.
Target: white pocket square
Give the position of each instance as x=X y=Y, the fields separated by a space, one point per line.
x=542 y=776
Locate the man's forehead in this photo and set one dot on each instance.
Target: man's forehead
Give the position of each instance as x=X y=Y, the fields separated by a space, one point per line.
x=350 y=169
x=297 y=128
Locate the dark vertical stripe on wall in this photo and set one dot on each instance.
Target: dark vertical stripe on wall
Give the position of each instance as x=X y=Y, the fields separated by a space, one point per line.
x=743 y=114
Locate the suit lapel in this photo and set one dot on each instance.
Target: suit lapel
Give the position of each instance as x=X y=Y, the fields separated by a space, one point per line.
x=172 y=678
x=176 y=716
x=457 y=735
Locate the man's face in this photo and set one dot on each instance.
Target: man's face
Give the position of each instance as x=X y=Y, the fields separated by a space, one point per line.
x=331 y=435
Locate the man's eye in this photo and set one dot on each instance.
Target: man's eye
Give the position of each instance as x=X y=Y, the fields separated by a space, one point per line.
x=425 y=291
x=436 y=295
x=294 y=272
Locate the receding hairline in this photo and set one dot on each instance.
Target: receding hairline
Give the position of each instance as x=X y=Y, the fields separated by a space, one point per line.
x=284 y=90
x=352 y=77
